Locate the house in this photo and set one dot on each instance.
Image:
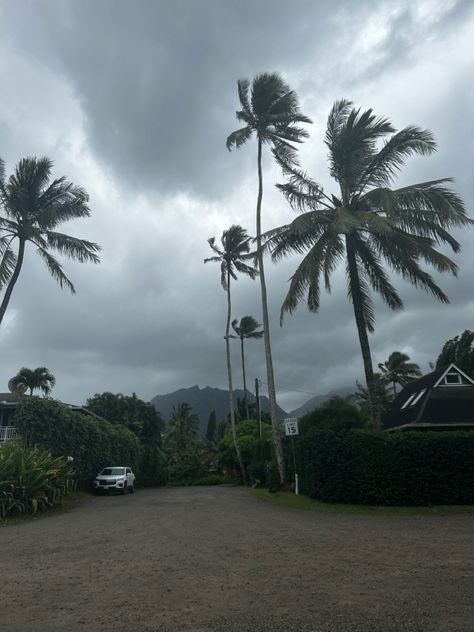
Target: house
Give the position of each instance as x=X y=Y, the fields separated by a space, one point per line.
x=8 y=404
x=441 y=400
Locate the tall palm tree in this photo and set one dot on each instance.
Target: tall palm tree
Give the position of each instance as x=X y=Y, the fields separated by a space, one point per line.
x=246 y=329
x=235 y=251
x=182 y=428
x=270 y=111
x=399 y=370
x=367 y=223
x=40 y=379
x=33 y=208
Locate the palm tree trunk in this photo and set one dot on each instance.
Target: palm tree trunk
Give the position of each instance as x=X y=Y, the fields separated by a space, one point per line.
x=231 y=390
x=354 y=282
x=13 y=280
x=246 y=403
x=266 y=329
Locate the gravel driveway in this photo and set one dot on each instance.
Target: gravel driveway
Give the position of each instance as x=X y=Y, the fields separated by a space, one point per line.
x=218 y=558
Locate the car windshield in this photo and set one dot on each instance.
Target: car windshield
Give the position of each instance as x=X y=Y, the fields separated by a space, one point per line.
x=113 y=471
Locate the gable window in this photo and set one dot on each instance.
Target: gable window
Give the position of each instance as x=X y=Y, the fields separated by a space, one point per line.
x=452 y=378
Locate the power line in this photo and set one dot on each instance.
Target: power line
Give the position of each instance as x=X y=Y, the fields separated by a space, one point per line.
x=288 y=388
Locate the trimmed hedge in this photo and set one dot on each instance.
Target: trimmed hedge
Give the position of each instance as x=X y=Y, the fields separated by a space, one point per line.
x=94 y=443
x=403 y=468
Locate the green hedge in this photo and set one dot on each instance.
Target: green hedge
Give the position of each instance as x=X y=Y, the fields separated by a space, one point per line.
x=93 y=443
x=403 y=468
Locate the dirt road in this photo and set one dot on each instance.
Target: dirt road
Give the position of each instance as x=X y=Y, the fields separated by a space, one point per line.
x=202 y=559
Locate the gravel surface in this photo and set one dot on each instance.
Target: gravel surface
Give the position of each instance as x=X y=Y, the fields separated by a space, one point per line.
x=219 y=559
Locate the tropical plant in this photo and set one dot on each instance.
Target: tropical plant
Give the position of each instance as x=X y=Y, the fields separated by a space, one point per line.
x=39 y=379
x=459 y=350
x=398 y=370
x=270 y=111
x=31 y=479
x=367 y=223
x=338 y=414
x=130 y=411
x=182 y=428
x=211 y=427
x=33 y=208
x=232 y=257
x=246 y=329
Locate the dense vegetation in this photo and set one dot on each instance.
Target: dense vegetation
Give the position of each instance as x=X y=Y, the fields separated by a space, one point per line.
x=404 y=468
x=31 y=479
x=93 y=443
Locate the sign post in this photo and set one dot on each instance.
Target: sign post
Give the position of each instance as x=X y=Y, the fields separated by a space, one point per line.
x=292 y=430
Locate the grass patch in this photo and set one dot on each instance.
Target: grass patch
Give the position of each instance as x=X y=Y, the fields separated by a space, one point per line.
x=288 y=499
x=68 y=502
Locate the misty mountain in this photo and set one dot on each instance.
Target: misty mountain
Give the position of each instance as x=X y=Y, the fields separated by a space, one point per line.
x=318 y=400
x=203 y=401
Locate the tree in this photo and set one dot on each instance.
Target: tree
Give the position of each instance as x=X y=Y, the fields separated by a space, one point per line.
x=383 y=397
x=271 y=112
x=39 y=379
x=459 y=350
x=398 y=370
x=338 y=414
x=34 y=207
x=368 y=223
x=235 y=251
x=139 y=416
x=211 y=427
x=182 y=429
x=246 y=329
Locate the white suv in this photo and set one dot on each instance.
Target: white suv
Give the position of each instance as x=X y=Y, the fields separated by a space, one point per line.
x=120 y=479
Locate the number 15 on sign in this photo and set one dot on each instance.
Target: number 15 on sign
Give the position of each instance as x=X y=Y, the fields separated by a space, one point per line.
x=291 y=427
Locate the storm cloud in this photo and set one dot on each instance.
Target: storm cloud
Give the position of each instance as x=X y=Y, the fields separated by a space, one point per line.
x=134 y=102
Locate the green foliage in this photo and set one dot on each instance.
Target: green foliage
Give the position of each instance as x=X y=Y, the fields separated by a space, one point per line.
x=256 y=452
x=153 y=467
x=459 y=350
x=195 y=462
x=404 y=468
x=93 y=443
x=133 y=413
x=31 y=479
x=208 y=479
x=40 y=379
x=182 y=429
x=211 y=427
x=398 y=370
x=336 y=414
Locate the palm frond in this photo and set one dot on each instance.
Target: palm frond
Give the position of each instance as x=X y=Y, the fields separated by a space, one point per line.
x=363 y=296
x=56 y=270
x=239 y=137
x=7 y=261
x=77 y=249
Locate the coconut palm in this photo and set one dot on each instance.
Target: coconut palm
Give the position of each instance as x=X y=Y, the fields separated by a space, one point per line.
x=270 y=111
x=399 y=370
x=33 y=207
x=182 y=428
x=368 y=224
x=235 y=251
x=246 y=329
x=40 y=379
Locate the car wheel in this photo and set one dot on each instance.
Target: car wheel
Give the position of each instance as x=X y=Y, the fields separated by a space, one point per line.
x=131 y=489
x=124 y=489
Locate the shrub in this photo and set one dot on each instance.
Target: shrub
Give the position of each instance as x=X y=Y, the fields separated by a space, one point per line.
x=93 y=443
x=31 y=479
x=256 y=452
x=404 y=468
x=209 y=479
x=336 y=414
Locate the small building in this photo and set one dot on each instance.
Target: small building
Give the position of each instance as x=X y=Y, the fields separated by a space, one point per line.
x=441 y=400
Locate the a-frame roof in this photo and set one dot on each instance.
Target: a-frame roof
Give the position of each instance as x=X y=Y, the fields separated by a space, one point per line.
x=443 y=398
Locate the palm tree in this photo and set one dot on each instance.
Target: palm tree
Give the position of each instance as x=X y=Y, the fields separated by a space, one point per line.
x=398 y=370
x=368 y=223
x=235 y=251
x=182 y=428
x=247 y=328
x=34 y=207
x=39 y=379
x=270 y=110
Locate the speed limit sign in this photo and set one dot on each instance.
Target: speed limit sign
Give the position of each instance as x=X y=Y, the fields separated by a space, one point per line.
x=291 y=427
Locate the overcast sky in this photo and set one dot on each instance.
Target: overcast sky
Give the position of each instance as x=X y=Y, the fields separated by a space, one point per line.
x=134 y=101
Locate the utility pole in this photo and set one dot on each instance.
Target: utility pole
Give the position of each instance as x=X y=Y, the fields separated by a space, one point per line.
x=259 y=408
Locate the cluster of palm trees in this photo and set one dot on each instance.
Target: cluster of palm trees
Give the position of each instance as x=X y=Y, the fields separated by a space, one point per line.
x=365 y=224
x=39 y=379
